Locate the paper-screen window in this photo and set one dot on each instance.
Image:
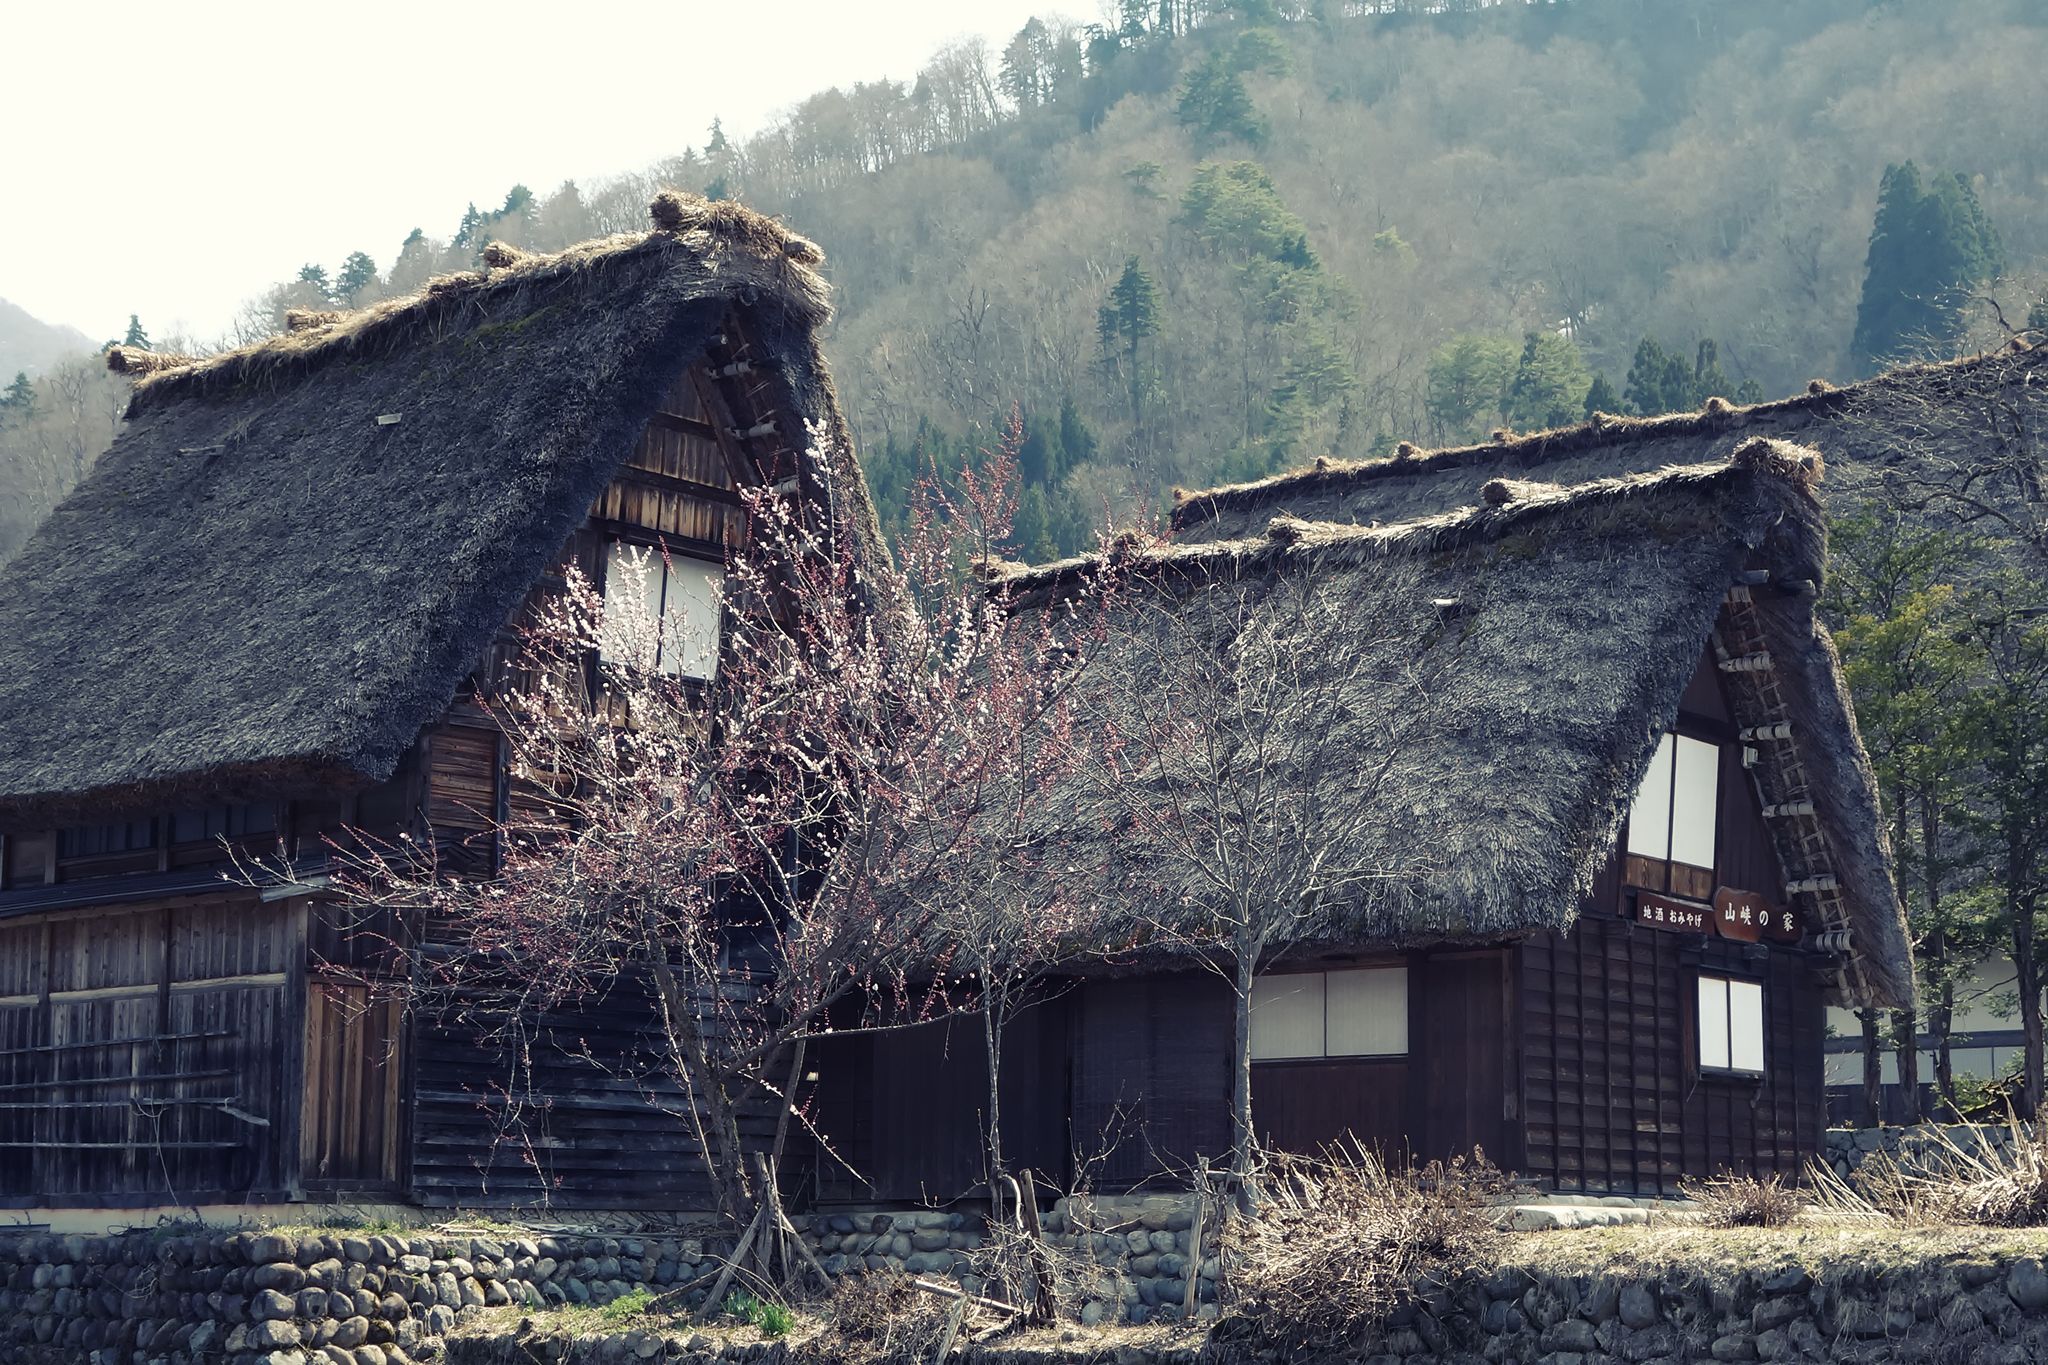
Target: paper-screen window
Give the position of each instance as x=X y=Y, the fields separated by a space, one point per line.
x=1672 y=819
x=674 y=627
x=1731 y=1025
x=1359 y=1013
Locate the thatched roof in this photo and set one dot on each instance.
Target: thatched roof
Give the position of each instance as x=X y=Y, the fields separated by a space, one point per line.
x=269 y=585
x=1898 y=424
x=1560 y=626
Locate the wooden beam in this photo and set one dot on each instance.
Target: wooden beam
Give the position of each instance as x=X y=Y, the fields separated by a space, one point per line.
x=688 y=426
x=669 y=483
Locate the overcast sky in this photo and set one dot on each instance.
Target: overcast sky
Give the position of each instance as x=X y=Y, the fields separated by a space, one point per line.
x=174 y=160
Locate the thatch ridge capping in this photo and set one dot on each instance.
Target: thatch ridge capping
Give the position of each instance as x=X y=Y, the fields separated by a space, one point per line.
x=1718 y=418
x=749 y=251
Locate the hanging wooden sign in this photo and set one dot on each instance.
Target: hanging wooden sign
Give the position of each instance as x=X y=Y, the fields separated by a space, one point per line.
x=1666 y=912
x=1748 y=917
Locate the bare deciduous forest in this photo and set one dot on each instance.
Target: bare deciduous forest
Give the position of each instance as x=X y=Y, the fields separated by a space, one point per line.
x=1196 y=242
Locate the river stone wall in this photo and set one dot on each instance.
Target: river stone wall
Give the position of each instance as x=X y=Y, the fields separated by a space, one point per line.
x=1923 y=1147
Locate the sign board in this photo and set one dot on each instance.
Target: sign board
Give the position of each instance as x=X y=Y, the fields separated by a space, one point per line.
x=1747 y=916
x=1666 y=912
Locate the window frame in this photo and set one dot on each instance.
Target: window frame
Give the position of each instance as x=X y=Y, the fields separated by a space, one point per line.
x=1325 y=1055
x=1669 y=875
x=663 y=557
x=1701 y=980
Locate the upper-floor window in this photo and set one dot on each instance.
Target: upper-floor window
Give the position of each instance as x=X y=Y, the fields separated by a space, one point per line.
x=1671 y=824
x=223 y=822
x=674 y=626
x=91 y=841
x=1362 y=1013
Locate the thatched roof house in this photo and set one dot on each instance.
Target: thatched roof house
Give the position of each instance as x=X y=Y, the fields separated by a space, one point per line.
x=263 y=625
x=1921 y=426
x=295 y=552
x=1561 y=965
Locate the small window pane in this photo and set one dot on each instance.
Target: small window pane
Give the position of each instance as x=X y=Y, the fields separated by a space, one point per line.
x=1697 y=779
x=1367 y=1012
x=632 y=607
x=1714 y=1022
x=1649 y=820
x=1746 y=1026
x=1287 y=1016
x=690 y=619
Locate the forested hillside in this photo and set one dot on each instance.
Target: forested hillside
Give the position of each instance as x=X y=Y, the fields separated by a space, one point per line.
x=1208 y=241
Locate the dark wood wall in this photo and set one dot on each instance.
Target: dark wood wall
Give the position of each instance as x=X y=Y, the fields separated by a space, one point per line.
x=1614 y=1098
x=144 y=1051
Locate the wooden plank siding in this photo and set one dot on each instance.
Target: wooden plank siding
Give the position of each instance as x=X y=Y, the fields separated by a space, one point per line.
x=139 y=1045
x=1151 y=1074
x=1614 y=1098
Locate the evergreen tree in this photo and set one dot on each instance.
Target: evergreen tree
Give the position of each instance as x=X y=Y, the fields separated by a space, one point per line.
x=1658 y=381
x=316 y=275
x=1930 y=245
x=1708 y=379
x=1215 y=104
x=1469 y=379
x=516 y=201
x=471 y=221
x=1130 y=315
x=358 y=273
x=1748 y=392
x=1550 y=383
x=717 y=142
x=1040 y=462
x=19 y=400
x=1601 y=397
x=1031 y=527
x=136 y=336
x=1077 y=443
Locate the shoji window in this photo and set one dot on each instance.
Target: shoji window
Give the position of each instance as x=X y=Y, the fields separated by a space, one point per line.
x=1731 y=1025
x=1671 y=825
x=1360 y=1013
x=674 y=628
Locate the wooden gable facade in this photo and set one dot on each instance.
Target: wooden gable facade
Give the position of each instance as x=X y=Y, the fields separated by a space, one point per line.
x=185 y=1017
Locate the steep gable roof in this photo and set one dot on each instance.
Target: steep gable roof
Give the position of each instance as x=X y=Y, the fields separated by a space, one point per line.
x=1568 y=622
x=1914 y=420
x=294 y=553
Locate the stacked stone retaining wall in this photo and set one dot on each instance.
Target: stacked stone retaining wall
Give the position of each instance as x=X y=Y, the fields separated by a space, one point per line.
x=1924 y=1147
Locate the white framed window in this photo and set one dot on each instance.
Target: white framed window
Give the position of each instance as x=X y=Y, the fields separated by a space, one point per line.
x=1731 y=1025
x=1357 y=1013
x=660 y=615
x=1672 y=819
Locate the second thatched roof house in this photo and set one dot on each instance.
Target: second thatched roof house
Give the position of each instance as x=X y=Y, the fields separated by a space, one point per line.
x=1627 y=843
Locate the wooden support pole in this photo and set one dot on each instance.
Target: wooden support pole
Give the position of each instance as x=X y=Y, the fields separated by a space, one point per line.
x=953 y=1291
x=732 y=1263
x=773 y=1201
x=952 y=1330
x=1043 y=1308
x=1194 y=1265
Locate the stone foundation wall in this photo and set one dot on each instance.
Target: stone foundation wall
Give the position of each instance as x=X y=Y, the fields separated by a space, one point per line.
x=1921 y=1147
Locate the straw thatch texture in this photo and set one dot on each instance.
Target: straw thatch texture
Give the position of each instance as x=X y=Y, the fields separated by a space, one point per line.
x=262 y=588
x=1560 y=628
x=1889 y=424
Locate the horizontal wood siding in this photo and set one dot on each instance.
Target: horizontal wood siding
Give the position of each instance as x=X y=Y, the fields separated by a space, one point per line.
x=1307 y=1106
x=569 y=1109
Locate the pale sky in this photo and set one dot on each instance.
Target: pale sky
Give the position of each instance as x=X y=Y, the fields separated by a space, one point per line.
x=174 y=160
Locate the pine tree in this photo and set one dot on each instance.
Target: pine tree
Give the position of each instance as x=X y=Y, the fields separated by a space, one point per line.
x=1214 y=102
x=1077 y=443
x=358 y=273
x=471 y=221
x=1130 y=315
x=1658 y=381
x=1040 y=462
x=316 y=275
x=136 y=336
x=1708 y=379
x=717 y=143
x=1930 y=245
x=1550 y=383
x=1601 y=397
x=19 y=400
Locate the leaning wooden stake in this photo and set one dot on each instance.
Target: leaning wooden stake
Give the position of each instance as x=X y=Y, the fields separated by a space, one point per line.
x=1043 y=1308
x=1194 y=1265
x=795 y=1238
x=732 y=1263
x=952 y=1291
x=952 y=1330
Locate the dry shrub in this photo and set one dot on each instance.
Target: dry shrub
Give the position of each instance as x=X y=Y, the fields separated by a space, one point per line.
x=1745 y=1201
x=878 y=1316
x=1976 y=1181
x=1340 y=1240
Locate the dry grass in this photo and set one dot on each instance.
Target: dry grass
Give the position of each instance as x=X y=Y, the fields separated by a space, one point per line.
x=1964 y=1182
x=1341 y=1239
x=1745 y=1201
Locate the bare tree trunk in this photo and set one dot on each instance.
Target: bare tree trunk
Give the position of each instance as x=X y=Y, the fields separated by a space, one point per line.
x=723 y=1159
x=1241 y=1070
x=1906 y=1046
x=1873 y=1071
x=2028 y=981
x=1941 y=1010
x=992 y=1047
